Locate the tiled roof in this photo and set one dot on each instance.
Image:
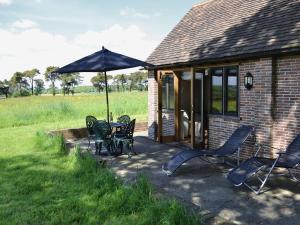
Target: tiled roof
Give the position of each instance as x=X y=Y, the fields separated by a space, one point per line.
x=219 y=29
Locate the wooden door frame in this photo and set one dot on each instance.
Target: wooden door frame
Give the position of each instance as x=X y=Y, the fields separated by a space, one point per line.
x=192 y=70
x=159 y=110
x=159 y=75
x=177 y=87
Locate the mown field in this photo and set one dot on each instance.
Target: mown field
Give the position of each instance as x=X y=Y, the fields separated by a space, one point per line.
x=42 y=183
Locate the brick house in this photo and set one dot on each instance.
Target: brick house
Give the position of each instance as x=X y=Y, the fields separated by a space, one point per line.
x=197 y=86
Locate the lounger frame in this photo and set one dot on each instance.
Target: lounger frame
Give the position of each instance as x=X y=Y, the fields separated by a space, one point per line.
x=269 y=169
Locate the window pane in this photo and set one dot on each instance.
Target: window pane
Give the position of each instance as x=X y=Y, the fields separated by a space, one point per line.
x=168 y=99
x=164 y=93
x=232 y=91
x=217 y=91
x=171 y=93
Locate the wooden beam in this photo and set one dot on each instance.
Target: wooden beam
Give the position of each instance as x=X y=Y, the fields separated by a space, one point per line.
x=192 y=107
x=159 y=111
x=177 y=105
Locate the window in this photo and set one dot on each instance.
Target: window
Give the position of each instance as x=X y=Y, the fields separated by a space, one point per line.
x=168 y=98
x=217 y=91
x=231 y=100
x=224 y=91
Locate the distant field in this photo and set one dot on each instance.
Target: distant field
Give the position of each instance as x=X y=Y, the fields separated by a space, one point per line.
x=15 y=112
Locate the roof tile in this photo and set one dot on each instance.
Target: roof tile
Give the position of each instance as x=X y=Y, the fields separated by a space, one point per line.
x=226 y=28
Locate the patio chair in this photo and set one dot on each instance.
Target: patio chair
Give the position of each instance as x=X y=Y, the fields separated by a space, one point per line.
x=103 y=137
x=126 y=138
x=290 y=160
x=90 y=121
x=232 y=146
x=125 y=119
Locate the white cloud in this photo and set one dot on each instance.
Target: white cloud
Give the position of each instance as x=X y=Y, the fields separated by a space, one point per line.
x=24 y=24
x=34 y=48
x=5 y=2
x=131 y=12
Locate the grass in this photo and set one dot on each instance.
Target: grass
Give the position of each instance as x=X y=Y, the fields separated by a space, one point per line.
x=42 y=183
x=35 y=110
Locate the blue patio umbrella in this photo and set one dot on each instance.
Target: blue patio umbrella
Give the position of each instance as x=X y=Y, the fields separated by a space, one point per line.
x=102 y=61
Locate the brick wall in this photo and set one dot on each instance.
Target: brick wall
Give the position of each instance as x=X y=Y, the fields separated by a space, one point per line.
x=286 y=123
x=272 y=106
x=272 y=109
x=152 y=105
x=168 y=123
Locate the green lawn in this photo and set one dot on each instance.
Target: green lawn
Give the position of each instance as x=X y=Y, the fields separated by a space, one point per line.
x=41 y=183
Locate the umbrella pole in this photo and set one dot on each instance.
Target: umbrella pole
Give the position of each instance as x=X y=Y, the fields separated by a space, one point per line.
x=107 y=103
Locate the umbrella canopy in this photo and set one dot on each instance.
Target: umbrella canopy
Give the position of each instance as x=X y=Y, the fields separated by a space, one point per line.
x=102 y=61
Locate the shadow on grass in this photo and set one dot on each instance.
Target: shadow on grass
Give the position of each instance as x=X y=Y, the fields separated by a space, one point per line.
x=50 y=186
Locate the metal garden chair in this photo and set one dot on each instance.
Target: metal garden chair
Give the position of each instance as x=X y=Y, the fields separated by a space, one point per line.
x=290 y=160
x=90 y=121
x=126 y=138
x=103 y=137
x=125 y=119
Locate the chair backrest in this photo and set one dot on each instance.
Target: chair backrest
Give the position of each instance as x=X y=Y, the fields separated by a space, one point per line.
x=236 y=140
x=130 y=129
x=102 y=130
x=123 y=119
x=90 y=121
x=292 y=156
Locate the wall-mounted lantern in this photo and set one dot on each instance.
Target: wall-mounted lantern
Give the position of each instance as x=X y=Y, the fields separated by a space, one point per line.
x=248 y=82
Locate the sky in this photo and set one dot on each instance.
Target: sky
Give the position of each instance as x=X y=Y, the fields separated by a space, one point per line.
x=41 y=33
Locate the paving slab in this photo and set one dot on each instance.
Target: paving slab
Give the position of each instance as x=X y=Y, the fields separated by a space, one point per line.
x=204 y=186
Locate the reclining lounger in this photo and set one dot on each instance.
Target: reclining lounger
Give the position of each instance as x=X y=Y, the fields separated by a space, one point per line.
x=290 y=159
x=232 y=146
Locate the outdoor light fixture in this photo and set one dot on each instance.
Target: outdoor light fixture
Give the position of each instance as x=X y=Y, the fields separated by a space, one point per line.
x=248 y=81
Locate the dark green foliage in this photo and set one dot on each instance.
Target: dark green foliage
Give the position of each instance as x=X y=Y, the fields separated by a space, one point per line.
x=69 y=81
x=98 y=81
x=31 y=74
x=39 y=86
x=52 y=77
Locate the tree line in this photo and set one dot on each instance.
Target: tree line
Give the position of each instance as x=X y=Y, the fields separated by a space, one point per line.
x=26 y=83
x=121 y=82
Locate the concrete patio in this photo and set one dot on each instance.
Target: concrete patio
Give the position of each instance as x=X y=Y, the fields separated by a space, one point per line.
x=204 y=187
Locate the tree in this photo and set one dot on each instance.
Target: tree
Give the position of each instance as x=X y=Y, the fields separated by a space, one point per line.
x=4 y=88
x=51 y=76
x=19 y=82
x=69 y=81
x=121 y=78
x=31 y=74
x=137 y=79
x=98 y=81
x=39 y=86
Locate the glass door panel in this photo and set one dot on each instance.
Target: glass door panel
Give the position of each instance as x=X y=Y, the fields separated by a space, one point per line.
x=185 y=106
x=198 y=106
